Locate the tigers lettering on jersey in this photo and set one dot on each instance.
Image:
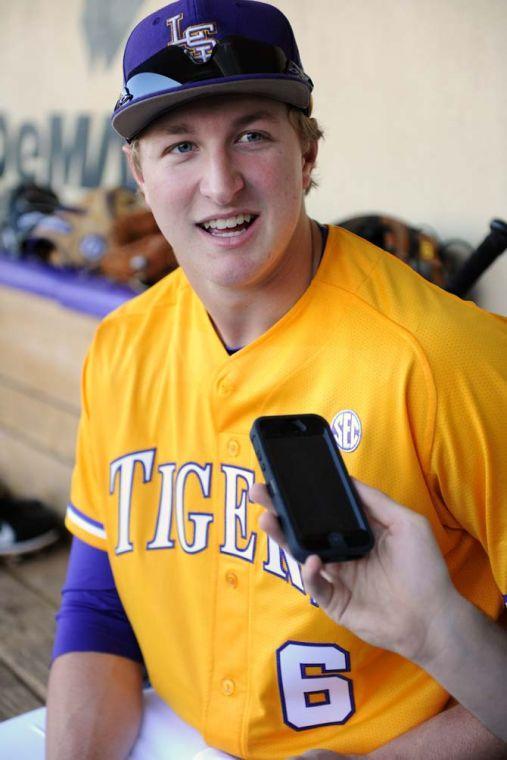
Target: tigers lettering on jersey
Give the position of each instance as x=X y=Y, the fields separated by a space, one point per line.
x=175 y=526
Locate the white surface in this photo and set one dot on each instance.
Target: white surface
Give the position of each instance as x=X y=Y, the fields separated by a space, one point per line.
x=163 y=736
x=23 y=737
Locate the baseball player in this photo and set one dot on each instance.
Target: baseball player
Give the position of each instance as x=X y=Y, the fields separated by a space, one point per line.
x=268 y=313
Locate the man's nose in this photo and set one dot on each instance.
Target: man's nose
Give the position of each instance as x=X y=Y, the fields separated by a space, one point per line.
x=221 y=179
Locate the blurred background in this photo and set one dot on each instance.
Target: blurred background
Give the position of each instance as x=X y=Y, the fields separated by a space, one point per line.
x=412 y=95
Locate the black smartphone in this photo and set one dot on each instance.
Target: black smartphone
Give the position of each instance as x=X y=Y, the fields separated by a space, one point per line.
x=315 y=499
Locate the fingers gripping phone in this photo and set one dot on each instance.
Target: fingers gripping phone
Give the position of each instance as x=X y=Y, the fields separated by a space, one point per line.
x=315 y=499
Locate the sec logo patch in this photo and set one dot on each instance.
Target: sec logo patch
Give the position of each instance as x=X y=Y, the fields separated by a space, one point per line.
x=347 y=430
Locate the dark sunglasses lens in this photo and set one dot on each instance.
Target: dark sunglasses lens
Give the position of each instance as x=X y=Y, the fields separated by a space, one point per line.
x=239 y=55
x=232 y=56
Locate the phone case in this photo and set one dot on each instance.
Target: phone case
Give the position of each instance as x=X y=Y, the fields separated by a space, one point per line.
x=338 y=552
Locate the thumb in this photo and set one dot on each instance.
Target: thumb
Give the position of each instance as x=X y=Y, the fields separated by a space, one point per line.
x=380 y=506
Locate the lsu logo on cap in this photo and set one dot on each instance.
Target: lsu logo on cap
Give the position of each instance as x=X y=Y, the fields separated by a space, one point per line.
x=197 y=39
x=347 y=430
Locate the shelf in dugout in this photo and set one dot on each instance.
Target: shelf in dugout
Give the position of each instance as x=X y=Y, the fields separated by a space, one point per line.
x=77 y=290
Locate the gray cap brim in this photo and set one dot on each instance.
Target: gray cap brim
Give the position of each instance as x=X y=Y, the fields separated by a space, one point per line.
x=134 y=117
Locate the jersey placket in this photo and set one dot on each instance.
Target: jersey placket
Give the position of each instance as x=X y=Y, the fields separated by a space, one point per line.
x=229 y=677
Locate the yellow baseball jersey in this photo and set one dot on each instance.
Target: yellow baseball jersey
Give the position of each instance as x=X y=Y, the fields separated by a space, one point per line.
x=412 y=381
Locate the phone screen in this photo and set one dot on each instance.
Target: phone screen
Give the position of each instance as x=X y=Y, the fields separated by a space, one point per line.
x=306 y=472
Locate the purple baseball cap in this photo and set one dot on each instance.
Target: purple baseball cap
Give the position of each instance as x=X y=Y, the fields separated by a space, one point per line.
x=195 y=48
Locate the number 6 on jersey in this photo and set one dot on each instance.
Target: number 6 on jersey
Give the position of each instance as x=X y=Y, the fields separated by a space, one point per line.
x=312 y=692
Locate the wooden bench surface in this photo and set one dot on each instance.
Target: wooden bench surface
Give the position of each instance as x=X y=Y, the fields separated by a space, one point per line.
x=42 y=347
x=29 y=598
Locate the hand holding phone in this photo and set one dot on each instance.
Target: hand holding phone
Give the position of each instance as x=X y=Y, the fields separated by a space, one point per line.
x=315 y=499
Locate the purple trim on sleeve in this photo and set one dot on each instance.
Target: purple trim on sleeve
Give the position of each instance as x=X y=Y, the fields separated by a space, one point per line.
x=84 y=517
x=91 y=617
x=505 y=599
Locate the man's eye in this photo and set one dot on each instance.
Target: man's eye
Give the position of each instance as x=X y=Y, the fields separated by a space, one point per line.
x=250 y=137
x=182 y=147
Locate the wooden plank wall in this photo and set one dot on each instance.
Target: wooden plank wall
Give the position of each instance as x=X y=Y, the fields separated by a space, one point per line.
x=42 y=347
x=29 y=599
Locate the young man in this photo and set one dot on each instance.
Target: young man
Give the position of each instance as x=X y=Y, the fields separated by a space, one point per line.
x=269 y=313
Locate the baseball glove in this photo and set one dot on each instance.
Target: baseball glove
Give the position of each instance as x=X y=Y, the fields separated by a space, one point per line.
x=418 y=248
x=138 y=251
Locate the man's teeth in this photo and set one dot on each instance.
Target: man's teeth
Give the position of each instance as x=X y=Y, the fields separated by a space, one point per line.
x=228 y=224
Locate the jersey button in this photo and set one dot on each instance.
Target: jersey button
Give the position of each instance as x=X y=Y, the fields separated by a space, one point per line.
x=225 y=388
x=228 y=687
x=231 y=579
x=233 y=447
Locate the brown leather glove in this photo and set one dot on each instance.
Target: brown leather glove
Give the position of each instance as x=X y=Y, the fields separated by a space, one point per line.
x=146 y=258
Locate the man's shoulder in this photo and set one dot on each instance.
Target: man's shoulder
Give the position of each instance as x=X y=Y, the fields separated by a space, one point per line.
x=141 y=325
x=145 y=308
x=378 y=282
x=161 y=295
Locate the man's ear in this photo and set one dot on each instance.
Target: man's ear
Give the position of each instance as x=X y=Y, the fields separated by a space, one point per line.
x=134 y=168
x=309 y=161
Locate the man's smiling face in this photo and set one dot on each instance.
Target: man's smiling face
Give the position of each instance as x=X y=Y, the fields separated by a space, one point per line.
x=225 y=179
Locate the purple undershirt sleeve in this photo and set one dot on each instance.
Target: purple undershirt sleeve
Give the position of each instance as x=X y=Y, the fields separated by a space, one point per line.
x=91 y=617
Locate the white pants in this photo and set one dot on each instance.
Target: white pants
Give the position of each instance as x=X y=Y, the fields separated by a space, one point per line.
x=163 y=736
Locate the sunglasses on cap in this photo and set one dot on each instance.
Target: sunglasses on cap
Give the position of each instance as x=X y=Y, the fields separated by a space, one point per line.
x=232 y=56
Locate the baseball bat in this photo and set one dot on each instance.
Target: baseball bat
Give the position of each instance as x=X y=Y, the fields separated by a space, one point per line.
x=489 y=250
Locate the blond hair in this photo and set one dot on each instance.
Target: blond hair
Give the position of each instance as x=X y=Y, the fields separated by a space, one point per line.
x=308 y=130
